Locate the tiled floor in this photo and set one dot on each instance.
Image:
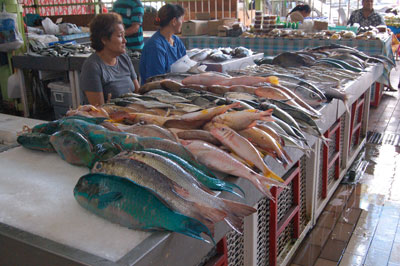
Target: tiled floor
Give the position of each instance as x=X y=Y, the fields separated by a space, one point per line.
x=360 y=225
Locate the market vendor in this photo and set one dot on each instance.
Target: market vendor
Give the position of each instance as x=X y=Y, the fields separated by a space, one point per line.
x=132 y=12
x=299 y=12
x=107 y=73
x=163 y=48
x=366 y=16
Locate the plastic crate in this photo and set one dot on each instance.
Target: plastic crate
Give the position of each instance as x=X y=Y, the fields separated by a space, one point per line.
x=340 y=28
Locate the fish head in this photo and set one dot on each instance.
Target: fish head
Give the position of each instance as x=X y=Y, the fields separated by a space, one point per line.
x=88 y=188
x=185 y=142
x=221 y=131
x=73 y=147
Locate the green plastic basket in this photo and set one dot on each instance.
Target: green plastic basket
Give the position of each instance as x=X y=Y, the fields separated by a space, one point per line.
x=340 y=28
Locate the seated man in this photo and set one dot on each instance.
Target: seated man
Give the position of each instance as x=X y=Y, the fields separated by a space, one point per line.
x=366 y=16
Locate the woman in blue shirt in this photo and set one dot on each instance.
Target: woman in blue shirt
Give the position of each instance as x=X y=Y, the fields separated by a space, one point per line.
x=163 y=48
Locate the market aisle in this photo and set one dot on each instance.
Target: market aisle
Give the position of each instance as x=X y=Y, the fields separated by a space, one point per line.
x=361 y=223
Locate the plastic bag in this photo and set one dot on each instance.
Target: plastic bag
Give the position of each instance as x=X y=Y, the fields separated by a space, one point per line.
x=49 y=27
x=183 y=64
x=69 y=28
x=10 y=38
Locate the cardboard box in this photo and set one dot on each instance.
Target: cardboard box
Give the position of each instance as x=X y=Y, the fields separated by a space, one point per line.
x=213 y=25
x=194 y=27
x=203 y=16
x=320 y=25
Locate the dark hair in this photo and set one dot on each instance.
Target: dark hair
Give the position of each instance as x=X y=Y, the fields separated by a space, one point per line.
x=168 y=13
x=300 y=8
x=103 y=26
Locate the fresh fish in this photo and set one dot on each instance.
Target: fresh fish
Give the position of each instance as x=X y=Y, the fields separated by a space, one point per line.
x=36 y=141
x=267 y=143
x=155 y=93
x=73 y=148
x=208 y=181
x=243 y=148
x=187 y=108
x=123 y=140
x=240 y=96
x=172 y=99
x=168 y=146
x=174 y=76
x=124 y=202
x=247 y=80
x=171 y=85
x=288 y=59
x=281 y=114
x=219 y=160
x=151 y=119
x=239 y=120
x=241 y=51
x=201 y=55
x=154 y=104
x=149 y=131
x=171 y=194
x=149 y=86
x=195 y=134
x=220 y=57
x=206 y=79
x=196 y=191
x=304 y=93
x=208 y=114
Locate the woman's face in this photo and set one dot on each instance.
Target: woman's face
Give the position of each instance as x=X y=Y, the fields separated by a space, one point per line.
x=305 y=13
x=117 y=42
x=177 y=24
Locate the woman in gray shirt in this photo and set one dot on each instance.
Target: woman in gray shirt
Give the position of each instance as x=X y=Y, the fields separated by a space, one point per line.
x=108 y=73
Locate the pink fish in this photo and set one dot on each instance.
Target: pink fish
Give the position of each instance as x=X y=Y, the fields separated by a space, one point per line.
x=206 y=79
x=242 y=147
x=219 y=160
x=240 y=120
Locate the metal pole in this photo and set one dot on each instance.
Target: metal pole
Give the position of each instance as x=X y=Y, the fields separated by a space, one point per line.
x=223 y=8
x=202 y=5
x=189 y=10
x=216 y=7
x=230 y=8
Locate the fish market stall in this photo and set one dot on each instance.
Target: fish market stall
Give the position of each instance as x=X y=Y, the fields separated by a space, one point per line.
x=271 y=234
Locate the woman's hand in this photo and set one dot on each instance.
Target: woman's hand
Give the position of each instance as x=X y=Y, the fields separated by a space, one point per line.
x=132 y=29
x=137 y=86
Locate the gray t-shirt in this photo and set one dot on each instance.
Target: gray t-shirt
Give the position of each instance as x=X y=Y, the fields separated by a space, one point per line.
x=96 y=76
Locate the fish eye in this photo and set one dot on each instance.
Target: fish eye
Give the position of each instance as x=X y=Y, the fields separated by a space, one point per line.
x=99 y=166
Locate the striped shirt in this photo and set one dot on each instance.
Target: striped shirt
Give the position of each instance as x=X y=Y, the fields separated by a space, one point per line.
x=132 y=11
x=374 y=19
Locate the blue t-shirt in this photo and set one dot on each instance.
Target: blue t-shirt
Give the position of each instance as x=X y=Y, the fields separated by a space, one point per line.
x=158 y=55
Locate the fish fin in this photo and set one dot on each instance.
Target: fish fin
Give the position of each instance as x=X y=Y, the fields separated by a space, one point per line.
x=236 y=212
x=253 y=124
x=193 y=228
x=107 y=198
x=206 y=189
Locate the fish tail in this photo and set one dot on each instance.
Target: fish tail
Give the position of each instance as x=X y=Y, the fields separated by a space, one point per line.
x=193 y=228
x=212 y=214
x=287 y=157
x=325 y=140
x=269 y=174
x=229 y=187
x=236 y=212
x=262 y=187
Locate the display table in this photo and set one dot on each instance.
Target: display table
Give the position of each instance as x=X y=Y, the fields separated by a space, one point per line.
x=274 y=46
x=40 y=218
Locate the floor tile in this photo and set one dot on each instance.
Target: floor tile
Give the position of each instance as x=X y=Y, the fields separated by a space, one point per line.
x=307 y=255
x=383 y=245
x=333 y=250
x=323 y=262
x=359 y=245
x=350 y=215
x=319 y=235
x=395 y=254
x=376 y=258
x=342 y=231
x=327 y=220
x=349 y=259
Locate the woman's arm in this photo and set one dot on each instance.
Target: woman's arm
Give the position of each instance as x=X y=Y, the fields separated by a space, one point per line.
x=95 y=98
